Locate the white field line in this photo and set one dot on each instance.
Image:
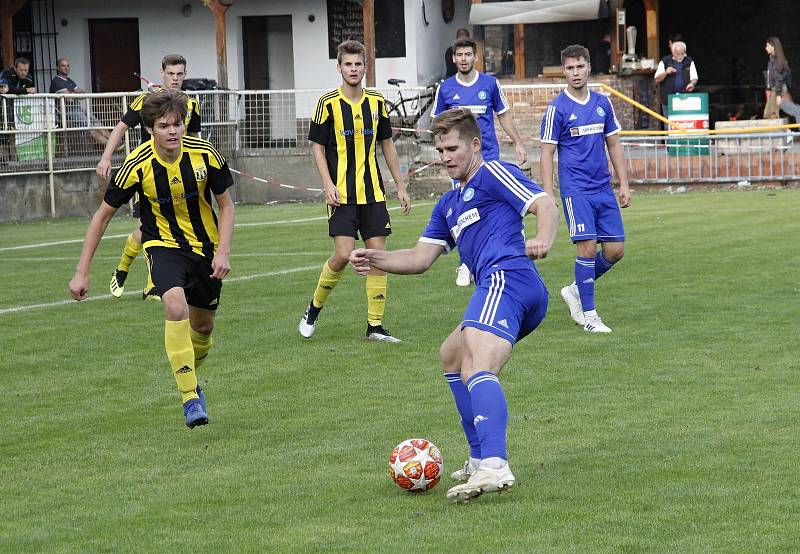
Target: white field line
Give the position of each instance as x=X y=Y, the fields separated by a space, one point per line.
x=257 y=224
x=246 y=255
x=18 y=309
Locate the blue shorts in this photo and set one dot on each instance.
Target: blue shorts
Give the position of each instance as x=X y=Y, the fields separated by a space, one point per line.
x=509 y=303
x=594 y=217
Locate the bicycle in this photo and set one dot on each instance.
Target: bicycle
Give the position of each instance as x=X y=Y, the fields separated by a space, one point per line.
x=404 y=120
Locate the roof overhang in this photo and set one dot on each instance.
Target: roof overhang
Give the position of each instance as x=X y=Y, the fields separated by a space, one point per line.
x=537 y=11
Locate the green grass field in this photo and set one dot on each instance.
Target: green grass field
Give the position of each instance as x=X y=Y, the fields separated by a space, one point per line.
x=677 y=433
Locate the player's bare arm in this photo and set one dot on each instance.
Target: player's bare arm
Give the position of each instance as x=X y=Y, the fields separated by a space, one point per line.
x=221 y=262
x=620 y=168
x=114 y=140
x=402 y=262
x=79 y=285
x=332 y=197
x=393 y=162
x=546 y=163
x=507 y=123
x=546 y=226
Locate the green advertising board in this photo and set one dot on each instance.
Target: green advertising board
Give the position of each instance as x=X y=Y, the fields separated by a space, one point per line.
x=689 y=111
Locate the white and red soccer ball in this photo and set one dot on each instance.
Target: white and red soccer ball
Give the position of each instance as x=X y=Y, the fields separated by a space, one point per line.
x=416 y=465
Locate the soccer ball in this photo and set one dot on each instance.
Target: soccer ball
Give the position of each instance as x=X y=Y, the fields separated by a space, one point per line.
x=416 y=465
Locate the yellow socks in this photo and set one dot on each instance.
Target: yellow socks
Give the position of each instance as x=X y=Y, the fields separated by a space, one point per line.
x=376 y=298
x=180 y=352
x=202 y=344
x=132 y=249
x=328 y=279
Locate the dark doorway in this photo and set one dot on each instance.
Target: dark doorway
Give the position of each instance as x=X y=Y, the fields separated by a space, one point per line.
x=269 y=65
x=114 y=52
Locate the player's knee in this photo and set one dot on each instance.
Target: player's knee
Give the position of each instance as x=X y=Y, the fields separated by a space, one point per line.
x=614 y=255
x=338 y=261
x=450 y=358
x=203 y=327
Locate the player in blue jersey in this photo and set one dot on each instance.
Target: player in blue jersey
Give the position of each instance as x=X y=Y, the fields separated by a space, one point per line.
x=483 y=218
x=482 y=95
x=581 y=124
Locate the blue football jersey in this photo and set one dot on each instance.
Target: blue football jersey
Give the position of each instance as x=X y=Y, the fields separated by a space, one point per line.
x=580 y=130
x=483 y=97
x=484 y=219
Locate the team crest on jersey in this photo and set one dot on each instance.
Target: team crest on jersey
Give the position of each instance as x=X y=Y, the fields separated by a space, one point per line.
x=600 y=111
x=469 y=194
x=482 y=95
x=200 y=173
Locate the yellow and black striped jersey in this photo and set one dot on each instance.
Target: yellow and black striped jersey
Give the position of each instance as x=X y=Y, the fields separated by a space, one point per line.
x=132 y=117
x=350 y=131
x=176 y=209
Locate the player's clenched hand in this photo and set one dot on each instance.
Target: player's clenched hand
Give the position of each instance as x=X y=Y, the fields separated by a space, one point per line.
x=624 y=196
x=522 y=154
x=79 y=287
x=332 y=197
x=359 y=259
x=405 y=202
x=103 y=168
x=221 y=266
x=536 y=248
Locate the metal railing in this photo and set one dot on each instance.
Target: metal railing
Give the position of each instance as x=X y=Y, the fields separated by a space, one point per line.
x=712 y=158
x=54 y=133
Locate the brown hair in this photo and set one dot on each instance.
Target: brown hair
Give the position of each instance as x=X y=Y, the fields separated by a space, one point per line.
x=460 y=119
x=161 y=103
x=780 y=58
x=21 y=61
x=173 y=59
x=351 y=47
x=465 y=42
x=575 y=51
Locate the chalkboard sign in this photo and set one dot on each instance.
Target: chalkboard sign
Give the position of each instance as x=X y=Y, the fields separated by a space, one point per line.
x=346 y=22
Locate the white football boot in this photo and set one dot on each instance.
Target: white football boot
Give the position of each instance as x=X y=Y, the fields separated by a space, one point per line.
x=483 y=480
x=465 y=473
x=570 y=295
x=463 y=276
x=595 y=325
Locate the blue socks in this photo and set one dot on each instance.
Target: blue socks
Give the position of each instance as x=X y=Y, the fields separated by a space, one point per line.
x=464 y=406
x=491 y=414
x=601 y=265
x=584 y=279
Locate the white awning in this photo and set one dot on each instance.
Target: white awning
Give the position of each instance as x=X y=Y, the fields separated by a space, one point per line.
x=535 y=11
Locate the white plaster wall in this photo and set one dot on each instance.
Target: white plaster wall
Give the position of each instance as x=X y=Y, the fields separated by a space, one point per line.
x=433 y=39
x=164 y=29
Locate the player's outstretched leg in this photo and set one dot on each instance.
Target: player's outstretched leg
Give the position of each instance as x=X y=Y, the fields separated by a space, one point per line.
x=377 y=288
x=491 y=417
x=133 y=247
x=328 y=279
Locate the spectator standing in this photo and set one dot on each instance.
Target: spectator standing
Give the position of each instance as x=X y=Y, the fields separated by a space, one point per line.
x=76 y=115
x=450 y=68
x=675 y=73
x=601 y=56
x=777 y=78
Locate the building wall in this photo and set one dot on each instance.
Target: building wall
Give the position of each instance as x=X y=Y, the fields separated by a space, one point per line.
x=163 y=29
x=433 y=39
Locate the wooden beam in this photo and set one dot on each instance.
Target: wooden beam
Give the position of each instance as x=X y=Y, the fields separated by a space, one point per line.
x=651 y=17
x=8 y=9
x=218 y=8
x=477 y=36
x=519 y=51
x=368 y=12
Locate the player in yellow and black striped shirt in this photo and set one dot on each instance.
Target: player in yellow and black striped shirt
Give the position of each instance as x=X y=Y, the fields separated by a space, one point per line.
x=187 y=246
x=173 y=73
x=347 y=125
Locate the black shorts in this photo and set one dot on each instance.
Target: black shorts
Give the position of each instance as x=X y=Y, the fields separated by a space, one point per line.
x=171 y=267
x=348 y=220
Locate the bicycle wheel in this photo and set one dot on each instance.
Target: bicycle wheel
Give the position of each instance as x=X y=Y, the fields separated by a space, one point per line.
x=395 y=118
